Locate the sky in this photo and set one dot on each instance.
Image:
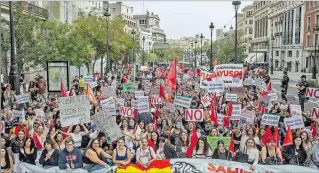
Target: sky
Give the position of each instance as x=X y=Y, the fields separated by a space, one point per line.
x=188 y=18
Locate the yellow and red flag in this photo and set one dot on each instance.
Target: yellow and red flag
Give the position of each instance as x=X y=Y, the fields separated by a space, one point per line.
x=89 y=93
x=157 y=166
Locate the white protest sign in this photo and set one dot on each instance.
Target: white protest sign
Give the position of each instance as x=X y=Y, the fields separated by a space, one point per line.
x=171 y=107
x=197 y=87
x=141 y=99
x=22 y=98
x=156 y=100
x=109 y=91
x=185 y=76
x=138 y=93
x=194 y=115
x=236 y=112
x=295 y=122
x=231 y=97
x=270 y=119
x=215 y=86
x=110 y=109
x=273 y=96
x=120 y=102
x=127 y=111
x=134 y=103
x=143 y=107
x=295 y=109
x=93 y=84
x=312 y=93
x=16 y=114
x=183 y=101
x=247 y=116
x=2 y=126
x=231 y=74
x=39 y=113
x=220 y=118
x=88 y=80
x=206 y=100
x=249 y=81
x=108 y=101
x=74 y=110
x=107 y=124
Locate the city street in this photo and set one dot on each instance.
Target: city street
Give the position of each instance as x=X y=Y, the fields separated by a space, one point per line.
x=293 y=91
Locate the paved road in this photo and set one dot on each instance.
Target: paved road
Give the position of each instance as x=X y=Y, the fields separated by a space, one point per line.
x=294 y=92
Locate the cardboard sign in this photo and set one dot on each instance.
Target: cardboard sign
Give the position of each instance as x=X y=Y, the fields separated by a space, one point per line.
x=171 y=107
x=183 y=101
x=231 y=74
x=138 y=93
x=108 y=101
x=156 y=100
x=110 y=109
x=143 y=107
x=23 y=98
x=194 y=115
x=249 y=81
x=312 y=93
x=295 y=122
x=231 y=97
x=127 y=111
x=315 y=112
x=206 y=100
x=295 y=109
x=215 y=86
x=88 y=79
x=2 y=126
x=236 y=112
x=74 y=109
x=107 y=124
x=270 y=119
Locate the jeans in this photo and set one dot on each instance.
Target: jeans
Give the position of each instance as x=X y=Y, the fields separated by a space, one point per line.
x=96 y=167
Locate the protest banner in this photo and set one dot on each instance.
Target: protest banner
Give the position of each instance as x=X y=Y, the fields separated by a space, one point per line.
x=249 y=82
x=295 y=122
x=196 y=87
x=17 y=114
x=295 y=109
x=239 y=91
x=183 y=101
x=128 y=87
x=22 y=98
x=231 y=74
x=143 y=107
x=206 y=100
x=39 y=113
x=156 y=100
x=258 y=82
x=312 y=93
x=270 y=119
x=292 y=99
x=127 y=111
x=247 y=116
x=107 y=101
x=231 y=97
x=2 y=126
x=88 y=79
x=194 y=115
x=236 y=112
x=107 y=124
x=203 y=79
x=139 y=93
x=215 y=86
x=315 y=112
x=110 y=109
x=273 y=96
x=141 y=99
x=93 y=84
x=171 y=107
x=212 y=141
x=74 y=109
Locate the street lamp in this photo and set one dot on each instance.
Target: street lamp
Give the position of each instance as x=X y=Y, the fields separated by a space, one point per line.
x=107 y=14
x=272 y=55
x=195 y=54
x=201 y=49
x=192 y=50
x=13 y=74
x=256 y=52
x=133 y=35
x=211 y=26
x=236 y=5
x=143 y=57
x=314 y=70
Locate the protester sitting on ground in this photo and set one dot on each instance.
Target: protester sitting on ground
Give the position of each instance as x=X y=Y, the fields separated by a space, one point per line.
x=165 y=151
x=49 y=156
x=295 y=154
x=121 y=154
x=202 y=149
x=70 y=157
x=270 y=154
x=145 y=155
x=154 y=141
x=95 y=159
x=6 y=162
x=221 y=152
x=251 y=151
x=28 y=152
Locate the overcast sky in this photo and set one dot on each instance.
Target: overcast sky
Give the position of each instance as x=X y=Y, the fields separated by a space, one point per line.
x=187 y=18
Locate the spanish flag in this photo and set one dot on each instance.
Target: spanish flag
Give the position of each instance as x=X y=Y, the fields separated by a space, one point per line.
x=157 y=166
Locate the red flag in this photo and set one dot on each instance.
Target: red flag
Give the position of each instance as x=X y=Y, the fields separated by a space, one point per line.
x=37 y=141
x=183 y=68
x=266 y=136
x=162 y=91
x=212 y=107
x=231 y=144
x=171 y=77
x=288 y=137
x=71 y=92
x=194 y=139
x=313 y=130
x=17 y=129
x=129 y=67
x=157 y=112
x=135 y=113
x=269 y=86
x=160 y=72
x=276 y=136
x=226 y=122
x=63 y=92
x=125 y=78
x=230 y=109
x=155 y=124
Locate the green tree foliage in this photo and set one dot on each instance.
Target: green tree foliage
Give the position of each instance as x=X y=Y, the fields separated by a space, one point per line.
x=167 y=55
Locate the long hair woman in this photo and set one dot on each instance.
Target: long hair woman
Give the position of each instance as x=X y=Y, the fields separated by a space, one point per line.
x=221 y=152
x=6 y=162
x=121 y=154
x=270 y=154
x=28 y=152
x=295 y=154
x=182 y=145
x=202 y=149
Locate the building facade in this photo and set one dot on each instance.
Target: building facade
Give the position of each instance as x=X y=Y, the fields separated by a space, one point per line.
x=245 y=28
x=311 y=19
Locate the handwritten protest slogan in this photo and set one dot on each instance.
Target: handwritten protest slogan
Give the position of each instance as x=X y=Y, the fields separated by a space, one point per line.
x=107 y=124
x=23 y=98
x=212 y=142
x=16 y=114
x=74 y=110
x=139 y=93
x=110 y=109
x=270 y=119
x=236 y=112
x=215 y=86
x=249 y=81
x=231 y=97
x=109 y=91
x=171 y=107
x=108 y=101
x=143 y=107
x=141 y=99
x=206 y=100
x=295 y=109
x=295 y=122
x=247 y=116
x=183 y=101
x=128 y=87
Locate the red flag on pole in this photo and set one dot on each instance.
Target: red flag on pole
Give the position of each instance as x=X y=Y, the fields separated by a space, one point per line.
x=194 y=139
x=266 y=136
x=63 y=92
x=288 y=138
x=171 y=77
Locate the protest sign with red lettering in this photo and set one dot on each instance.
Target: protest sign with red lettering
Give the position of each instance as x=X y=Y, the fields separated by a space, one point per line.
x=206 y=100
x=126 y=111
x=312 y=92
x=194 y=115
x=315 y=112
x=156 y=100
x=231 y=74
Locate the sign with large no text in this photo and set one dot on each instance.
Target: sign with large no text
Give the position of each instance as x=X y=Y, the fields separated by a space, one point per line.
x=194 y=115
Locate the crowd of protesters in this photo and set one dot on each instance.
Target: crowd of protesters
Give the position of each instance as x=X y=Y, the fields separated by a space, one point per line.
x=43 y=142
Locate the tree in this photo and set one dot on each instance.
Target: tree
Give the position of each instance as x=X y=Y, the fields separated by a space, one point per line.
x=167 y=55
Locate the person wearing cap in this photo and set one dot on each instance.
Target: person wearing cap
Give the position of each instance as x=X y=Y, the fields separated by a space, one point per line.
x=302 y=87
x=270 y=154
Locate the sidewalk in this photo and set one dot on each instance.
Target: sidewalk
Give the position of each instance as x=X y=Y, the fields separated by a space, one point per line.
x=293 y=76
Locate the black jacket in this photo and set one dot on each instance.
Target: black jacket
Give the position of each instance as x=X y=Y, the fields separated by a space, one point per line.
x=291 y=158
x=228 y=155
x=53 y=161
x=169 y=152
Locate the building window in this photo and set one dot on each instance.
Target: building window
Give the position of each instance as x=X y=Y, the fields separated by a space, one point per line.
x=251 y=21
x=289 y=53
x=308 y=40
x=308 y=23
x=317 y=20
x=250 y=31
x=113 y=9
x=311 y=5
x=297 y=54
x=277 y=53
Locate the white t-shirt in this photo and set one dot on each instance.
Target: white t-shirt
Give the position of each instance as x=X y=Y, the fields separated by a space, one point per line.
x=77 y=139
x=145 y=155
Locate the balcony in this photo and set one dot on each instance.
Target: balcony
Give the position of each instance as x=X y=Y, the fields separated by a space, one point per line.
x=30 y=8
